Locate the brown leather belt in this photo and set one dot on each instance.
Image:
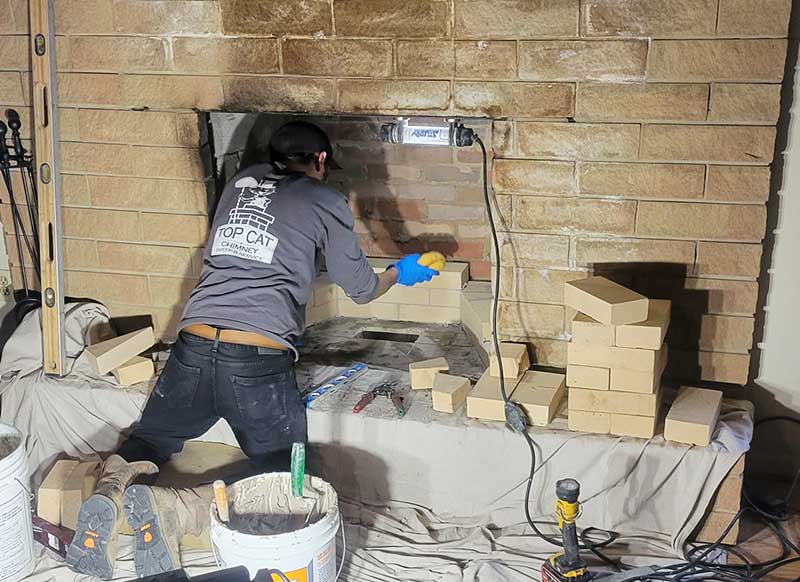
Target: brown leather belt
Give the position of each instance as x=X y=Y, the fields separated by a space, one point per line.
x=233 y=336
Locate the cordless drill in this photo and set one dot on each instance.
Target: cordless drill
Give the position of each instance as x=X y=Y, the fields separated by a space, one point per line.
x=566 y=566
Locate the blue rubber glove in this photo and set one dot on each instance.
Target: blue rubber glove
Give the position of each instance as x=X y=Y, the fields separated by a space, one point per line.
x=410 y=272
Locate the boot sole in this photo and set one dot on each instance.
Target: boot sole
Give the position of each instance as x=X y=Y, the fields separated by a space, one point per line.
x=153 y=554
x=95 y=538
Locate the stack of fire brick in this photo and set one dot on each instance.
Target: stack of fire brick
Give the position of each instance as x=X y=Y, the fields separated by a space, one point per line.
x=615 y=359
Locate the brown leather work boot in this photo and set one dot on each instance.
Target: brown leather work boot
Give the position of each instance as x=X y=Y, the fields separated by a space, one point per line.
x=159 y=518
x=93 y=551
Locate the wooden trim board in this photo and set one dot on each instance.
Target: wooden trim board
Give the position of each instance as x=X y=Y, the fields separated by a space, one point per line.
x=48 y=178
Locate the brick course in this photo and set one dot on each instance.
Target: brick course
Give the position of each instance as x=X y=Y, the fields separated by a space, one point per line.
x=675 y=104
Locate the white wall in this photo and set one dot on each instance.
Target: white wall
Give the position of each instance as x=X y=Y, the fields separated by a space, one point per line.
x=779 y=372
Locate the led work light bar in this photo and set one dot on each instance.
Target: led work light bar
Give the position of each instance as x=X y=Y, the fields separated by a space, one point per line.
x=450 y=133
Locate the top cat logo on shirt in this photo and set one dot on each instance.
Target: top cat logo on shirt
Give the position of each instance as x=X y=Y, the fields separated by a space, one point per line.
x=245 y=234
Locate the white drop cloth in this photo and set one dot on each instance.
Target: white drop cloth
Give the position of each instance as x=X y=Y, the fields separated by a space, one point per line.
x=445 y=493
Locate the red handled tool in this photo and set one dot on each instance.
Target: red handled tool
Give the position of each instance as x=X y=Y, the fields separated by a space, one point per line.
x=386 y=389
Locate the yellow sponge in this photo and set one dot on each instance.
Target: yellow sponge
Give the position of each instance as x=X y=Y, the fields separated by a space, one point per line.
x=433 y=260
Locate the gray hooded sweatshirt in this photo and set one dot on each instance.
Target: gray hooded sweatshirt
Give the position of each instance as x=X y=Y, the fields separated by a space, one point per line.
x=270 y=236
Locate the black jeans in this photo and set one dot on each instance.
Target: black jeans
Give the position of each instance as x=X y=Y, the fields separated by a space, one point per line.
x=254 y=389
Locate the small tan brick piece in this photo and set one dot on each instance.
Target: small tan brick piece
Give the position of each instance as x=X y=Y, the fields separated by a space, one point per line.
x=582 y=60
x=549 y=352
x=747 y=18
x=584 y=354
x=388 y=311
x=588 y=377
x=516 y=19
x=725 y=333
x=680 y=181
x=476 y=305
x=171 y=91
x=534 y=176
x=648 y=334
x=586 y=330
x=342 y=57
x=523 y=320
x=606 y=301
x=514 y=99
x=710 y=366
x=717 y=522
x=544 y=285
x=623 y=380
x=486 y=59
x=727 y=297
x=728 y=259
x=486 y=401
x=701 y=61
x=135 y=370
x=533 y=250
x=48 y=498
x=77 y=488
x=84 y=16
x=578 y=141
x=614 y=402
x=414 y=18
x=423 y=373
x=84 y=89
x=279 y=94
x=584 y=421
x=129 y=54
x=113 y=353
x=729 y=495
x=736 y=222
x=637 y=360
x=641 y=102
x=738 y=183
x=740 y=103
x=713 y=143
x=274 y=18
x=11 y=88
x=654 y=18
x=454 y=276
x=627 y=250
x=539 y=394
x=515 y=360
x=205 y=56
x=425 y=58
x=449 y=392
x=560 y=215
x=166 y=18
x=693 y=416
x=429 y=314
x=642 y=427
x=356 y=95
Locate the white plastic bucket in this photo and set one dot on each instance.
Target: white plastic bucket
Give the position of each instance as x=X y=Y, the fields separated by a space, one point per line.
x=305 y=554
x=16 y=526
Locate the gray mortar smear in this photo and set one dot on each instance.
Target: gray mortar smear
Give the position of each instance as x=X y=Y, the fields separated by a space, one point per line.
x=264 y=505
x=8 y=444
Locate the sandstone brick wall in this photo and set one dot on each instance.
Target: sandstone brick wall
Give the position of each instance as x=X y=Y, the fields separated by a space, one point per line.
x=627 y=131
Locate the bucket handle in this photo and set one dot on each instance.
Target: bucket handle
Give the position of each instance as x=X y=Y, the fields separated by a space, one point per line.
x=31 y=496
x=341 y=564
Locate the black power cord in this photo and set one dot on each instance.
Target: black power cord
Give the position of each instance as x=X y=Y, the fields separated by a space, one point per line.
x=515 y=418
x=695 y=567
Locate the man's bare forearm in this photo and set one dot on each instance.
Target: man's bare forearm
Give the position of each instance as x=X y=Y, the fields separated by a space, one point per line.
x=386 y=281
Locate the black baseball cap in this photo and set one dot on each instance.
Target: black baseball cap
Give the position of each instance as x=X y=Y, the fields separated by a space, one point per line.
x=301 y=137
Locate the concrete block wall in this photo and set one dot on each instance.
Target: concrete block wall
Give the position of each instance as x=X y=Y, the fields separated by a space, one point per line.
x=626 y=131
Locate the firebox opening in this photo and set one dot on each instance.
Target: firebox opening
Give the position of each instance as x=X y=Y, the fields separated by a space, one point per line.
x=405 y=198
